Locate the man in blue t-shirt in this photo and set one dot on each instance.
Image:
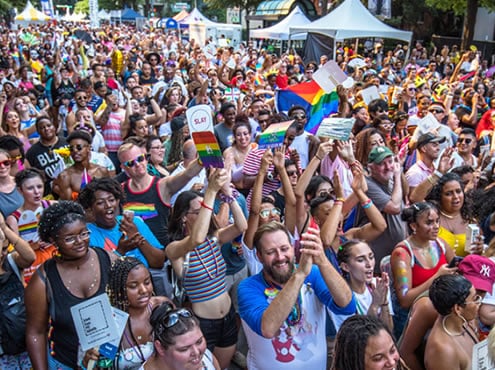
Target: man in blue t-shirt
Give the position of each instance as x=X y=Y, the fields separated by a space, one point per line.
x=283 y=307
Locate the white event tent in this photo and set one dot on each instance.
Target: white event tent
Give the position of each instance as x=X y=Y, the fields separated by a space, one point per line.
x=31 y=15
x=351 y=19
x=200 y=28
x=280 y=31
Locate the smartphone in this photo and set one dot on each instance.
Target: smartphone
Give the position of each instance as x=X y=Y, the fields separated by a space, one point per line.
x=455 y=261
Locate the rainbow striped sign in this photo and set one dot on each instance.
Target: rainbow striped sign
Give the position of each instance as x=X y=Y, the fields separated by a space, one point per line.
x=208 y=149
x=274 y=135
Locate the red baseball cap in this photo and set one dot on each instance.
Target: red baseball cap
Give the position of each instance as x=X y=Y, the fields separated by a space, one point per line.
x=479 y=270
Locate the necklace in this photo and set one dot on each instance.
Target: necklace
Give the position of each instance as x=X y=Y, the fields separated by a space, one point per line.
x=95 y=275
x=204 y=264
x=295 y=314
x=447 y=215
x=448 y=331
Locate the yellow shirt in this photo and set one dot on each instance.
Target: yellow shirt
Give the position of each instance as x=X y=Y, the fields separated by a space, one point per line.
x=455 y=241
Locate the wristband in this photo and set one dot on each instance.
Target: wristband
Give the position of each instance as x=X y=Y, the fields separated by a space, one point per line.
x=229 y=199
x=438 y=174
x=204 y=205
x=116 y=252
x=340 y=199
x=384 y=304
x=316 y=156
x=367 y=204
x=431 y=180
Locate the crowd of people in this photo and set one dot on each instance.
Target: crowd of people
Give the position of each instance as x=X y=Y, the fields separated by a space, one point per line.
x=372 y=253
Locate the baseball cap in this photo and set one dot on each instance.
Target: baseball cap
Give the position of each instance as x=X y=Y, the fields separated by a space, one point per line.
x=429 y=138
x=479 y=270
x=378 y=154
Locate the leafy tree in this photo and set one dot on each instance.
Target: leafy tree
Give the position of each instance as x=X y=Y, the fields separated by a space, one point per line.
x=82 y=7
x=246 y=5
x=466 y=8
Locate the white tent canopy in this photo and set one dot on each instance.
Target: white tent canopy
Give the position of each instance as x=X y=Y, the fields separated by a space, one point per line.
x=200 y=28
x=280 y=31
x=31 y=15
x=103 y=14
x=352 y=20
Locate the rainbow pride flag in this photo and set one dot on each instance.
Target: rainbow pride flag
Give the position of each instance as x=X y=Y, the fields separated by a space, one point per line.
x=143 y=210
x=310 y=95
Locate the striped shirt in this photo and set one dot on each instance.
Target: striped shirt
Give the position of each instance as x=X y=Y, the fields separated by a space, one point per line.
x=205 y=276
x=111 y=131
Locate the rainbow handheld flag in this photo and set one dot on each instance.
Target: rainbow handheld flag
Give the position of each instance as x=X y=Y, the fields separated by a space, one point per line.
x=208 y=149
x=310 y=95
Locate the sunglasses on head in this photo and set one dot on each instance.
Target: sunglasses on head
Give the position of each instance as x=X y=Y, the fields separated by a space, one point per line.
x=5 y=163
x=139 y=159
x=172 y=317
x=267 y=212
x=466 y=140
x=77 y=147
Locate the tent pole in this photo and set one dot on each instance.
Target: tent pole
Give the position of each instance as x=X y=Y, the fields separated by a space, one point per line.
x=356 y=47
x=408 y=50
x=334 y=48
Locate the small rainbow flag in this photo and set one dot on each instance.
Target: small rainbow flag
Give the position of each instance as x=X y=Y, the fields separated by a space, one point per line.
x=143 y=210
x=274 y=135
x=86 y=179
x=312 y=98
x=208 y=149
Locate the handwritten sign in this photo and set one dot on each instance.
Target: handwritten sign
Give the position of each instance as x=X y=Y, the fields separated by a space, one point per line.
x=94 y=322
x=480 y=360
x=336 y=128
x=274 y=135
x=330 y=75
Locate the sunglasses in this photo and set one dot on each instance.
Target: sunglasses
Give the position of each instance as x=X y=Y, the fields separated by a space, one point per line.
x=77 y=147
x=465 y=140
x=267 y=212
x=437 y=111
x=298 y=116
x=5 y=163
x=139 y=159
x=172 y=318
x=82 y=98
x=291 y=173
x=411 y=89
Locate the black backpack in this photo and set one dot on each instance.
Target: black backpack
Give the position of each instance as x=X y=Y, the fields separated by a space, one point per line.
x=12 y=310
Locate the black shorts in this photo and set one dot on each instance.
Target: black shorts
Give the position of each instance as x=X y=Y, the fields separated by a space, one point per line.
x=220 y=332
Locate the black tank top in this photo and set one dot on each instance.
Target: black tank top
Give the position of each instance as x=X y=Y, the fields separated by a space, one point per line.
x=62 y=338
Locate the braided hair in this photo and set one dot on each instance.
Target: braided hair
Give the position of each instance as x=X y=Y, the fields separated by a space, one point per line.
x=57 y=216
x=352 y=339
x=116 y=286
x=167 y=334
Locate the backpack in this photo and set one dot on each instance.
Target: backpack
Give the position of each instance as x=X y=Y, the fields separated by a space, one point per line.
x=12 y=310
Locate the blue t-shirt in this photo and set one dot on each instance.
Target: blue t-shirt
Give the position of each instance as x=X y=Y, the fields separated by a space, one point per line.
x=253 y=301
x=108 y=239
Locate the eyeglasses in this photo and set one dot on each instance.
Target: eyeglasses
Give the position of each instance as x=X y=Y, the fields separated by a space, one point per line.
x=386 y=124
x=5 y=163
x=82 y=236
x=172 y=318
x=436 y=111
x=298 y=116
x=325 y=193
x=267 y=212
x=291 y=173
x=140 y=158
x=466 y=140
x=77 y=147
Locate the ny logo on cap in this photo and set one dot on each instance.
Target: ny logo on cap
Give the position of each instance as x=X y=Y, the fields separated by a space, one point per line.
x=380 y=149
x=485 y=270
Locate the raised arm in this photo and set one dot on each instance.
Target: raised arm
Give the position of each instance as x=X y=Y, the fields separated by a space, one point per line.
x=23 y=254
x=172 y=184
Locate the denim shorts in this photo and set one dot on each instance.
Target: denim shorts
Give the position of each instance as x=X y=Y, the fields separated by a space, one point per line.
x=220 y=332
x=53 y=364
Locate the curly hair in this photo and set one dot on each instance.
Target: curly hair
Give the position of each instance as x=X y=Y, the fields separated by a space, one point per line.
x=352 y=339
x=435 y=195
x=57 y=216
x=87 y=195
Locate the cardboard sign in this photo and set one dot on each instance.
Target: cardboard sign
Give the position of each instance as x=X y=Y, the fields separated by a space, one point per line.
x=94 y=322
x=336 y=128
x=428 y=123
x=330 y=75
x=199 y=118
x=480 y=360
x=369 y=94
x=274 y=135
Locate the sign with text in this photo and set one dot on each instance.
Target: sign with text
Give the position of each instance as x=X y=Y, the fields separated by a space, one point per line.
x=274 y=135
x=110 y=349
x=336 y=128
x=94 y=322
x=369 y=94
x=200 y=121
x=481 y=361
